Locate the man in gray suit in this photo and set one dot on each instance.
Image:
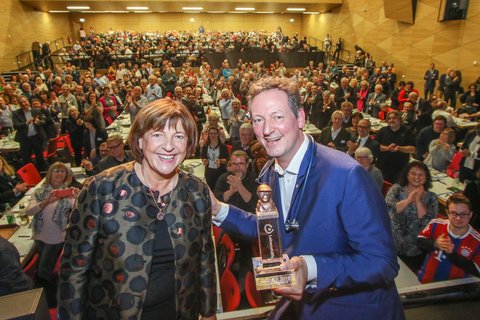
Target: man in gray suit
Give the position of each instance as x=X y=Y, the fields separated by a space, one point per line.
x=374 y=99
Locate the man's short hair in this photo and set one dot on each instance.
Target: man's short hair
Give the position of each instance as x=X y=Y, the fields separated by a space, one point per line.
x=283 y=84
x=459 y=198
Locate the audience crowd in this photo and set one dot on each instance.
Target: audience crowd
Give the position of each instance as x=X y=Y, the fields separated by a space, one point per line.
x=84 y=95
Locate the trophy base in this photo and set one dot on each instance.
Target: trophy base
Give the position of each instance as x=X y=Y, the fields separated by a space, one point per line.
x=269 y=276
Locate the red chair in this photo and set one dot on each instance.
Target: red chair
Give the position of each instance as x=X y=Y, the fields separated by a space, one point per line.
x=229 y=148
x=52 y=147
x=217 y=233
x=229 y=246
x=254 y=297
x=31 y=268
x=230 y=291
x=65 y=143
x=53 y=313
x=29 y=174
x=385 y=187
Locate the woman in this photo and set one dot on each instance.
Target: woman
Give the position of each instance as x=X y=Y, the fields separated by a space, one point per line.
x=362 y=95
x=11 y=187
x=93 y=137
x=50 y=208
x=365 y=157
x=411 y=206
x=214 y=156
x=470 y=103
x=39 y=85
x=146 y=249
x=441 y=150
x=94 y=109
x=470 y=149
x=356 y=117
x=109 y=104
x=75 y=130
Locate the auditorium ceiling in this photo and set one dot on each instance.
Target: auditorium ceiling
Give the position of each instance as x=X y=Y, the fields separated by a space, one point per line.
x=226 y=6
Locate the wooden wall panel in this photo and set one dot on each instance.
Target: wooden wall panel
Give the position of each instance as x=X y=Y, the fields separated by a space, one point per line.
x=21 y=25
x=400 y=10
x=411 y=47
x=180 y=21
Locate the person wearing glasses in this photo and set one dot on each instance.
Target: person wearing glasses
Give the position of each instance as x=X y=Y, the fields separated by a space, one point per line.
x=452 y=244
x=411 y=207
x=327 y=205
x=116 y=156
x=51 y=211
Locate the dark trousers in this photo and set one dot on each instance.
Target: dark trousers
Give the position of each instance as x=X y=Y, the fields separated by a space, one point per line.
x=429 y=89
x=46 y=264
x=33 y=145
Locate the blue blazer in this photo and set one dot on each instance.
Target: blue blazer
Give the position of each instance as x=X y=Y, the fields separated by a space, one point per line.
x=344 y=225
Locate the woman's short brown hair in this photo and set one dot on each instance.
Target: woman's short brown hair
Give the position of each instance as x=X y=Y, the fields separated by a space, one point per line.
x=155 y=116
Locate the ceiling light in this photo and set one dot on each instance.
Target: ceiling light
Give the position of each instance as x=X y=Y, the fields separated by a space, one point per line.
x=78 y=7
x=265 y=12
x=310 y=12
x=295 y=9
x=58 y=11
x=137 y=8
x=245 y=9
x=82 y=20
x=292 y=20
x=192 y=8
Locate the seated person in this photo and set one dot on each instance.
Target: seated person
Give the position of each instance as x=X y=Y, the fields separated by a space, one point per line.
x=336 y=137
x=96 y=157
x=260 y=157
x=12 y=278
x=364 y=156
x=116 y=156
x=11 y=187
x=213 y=121
x=411 y=207
x=453 y=246
x=441 y=150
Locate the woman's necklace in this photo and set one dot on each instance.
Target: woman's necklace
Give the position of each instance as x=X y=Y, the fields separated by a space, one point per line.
x=164 y=199
x=162 y=205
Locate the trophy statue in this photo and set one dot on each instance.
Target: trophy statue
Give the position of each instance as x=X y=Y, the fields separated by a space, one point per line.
x=267 y=267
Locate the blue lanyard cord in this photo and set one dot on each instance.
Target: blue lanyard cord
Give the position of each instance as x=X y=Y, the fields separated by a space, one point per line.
x=293 y=223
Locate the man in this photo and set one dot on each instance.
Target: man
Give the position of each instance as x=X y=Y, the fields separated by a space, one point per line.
x=374 y=99
x=134 y=103
x=237 y=117
x=347 y=108
x=238 y=186
x=430 y=77
x=225 y=106
x=364 y=140
x=116 y=156
x=423 y=111
x=65 y=101
x=6 y=123
x=246 y=139
x=396 y=145
x=453 y=245
x=314 y=105
x=12 y=277
x=336 y=136
x=30 y=134
x=153 y=91
x=427 y=135
x=344 y=269
x=344 y=93
x=441 y=110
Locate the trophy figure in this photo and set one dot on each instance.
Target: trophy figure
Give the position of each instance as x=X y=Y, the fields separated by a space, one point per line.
x=267 y=267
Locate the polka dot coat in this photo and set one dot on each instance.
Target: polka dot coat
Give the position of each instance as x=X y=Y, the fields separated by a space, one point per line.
x=108 y=250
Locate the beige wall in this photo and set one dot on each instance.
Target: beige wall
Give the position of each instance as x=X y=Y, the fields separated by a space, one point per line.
x=20 y=25
x=179 y=21
x=411 y=47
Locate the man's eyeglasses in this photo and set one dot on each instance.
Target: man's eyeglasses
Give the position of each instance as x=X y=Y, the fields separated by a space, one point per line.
x=459 y=214
x=364 y=127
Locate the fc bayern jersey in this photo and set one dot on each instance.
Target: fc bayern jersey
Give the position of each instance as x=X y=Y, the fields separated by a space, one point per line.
x=437 y=266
